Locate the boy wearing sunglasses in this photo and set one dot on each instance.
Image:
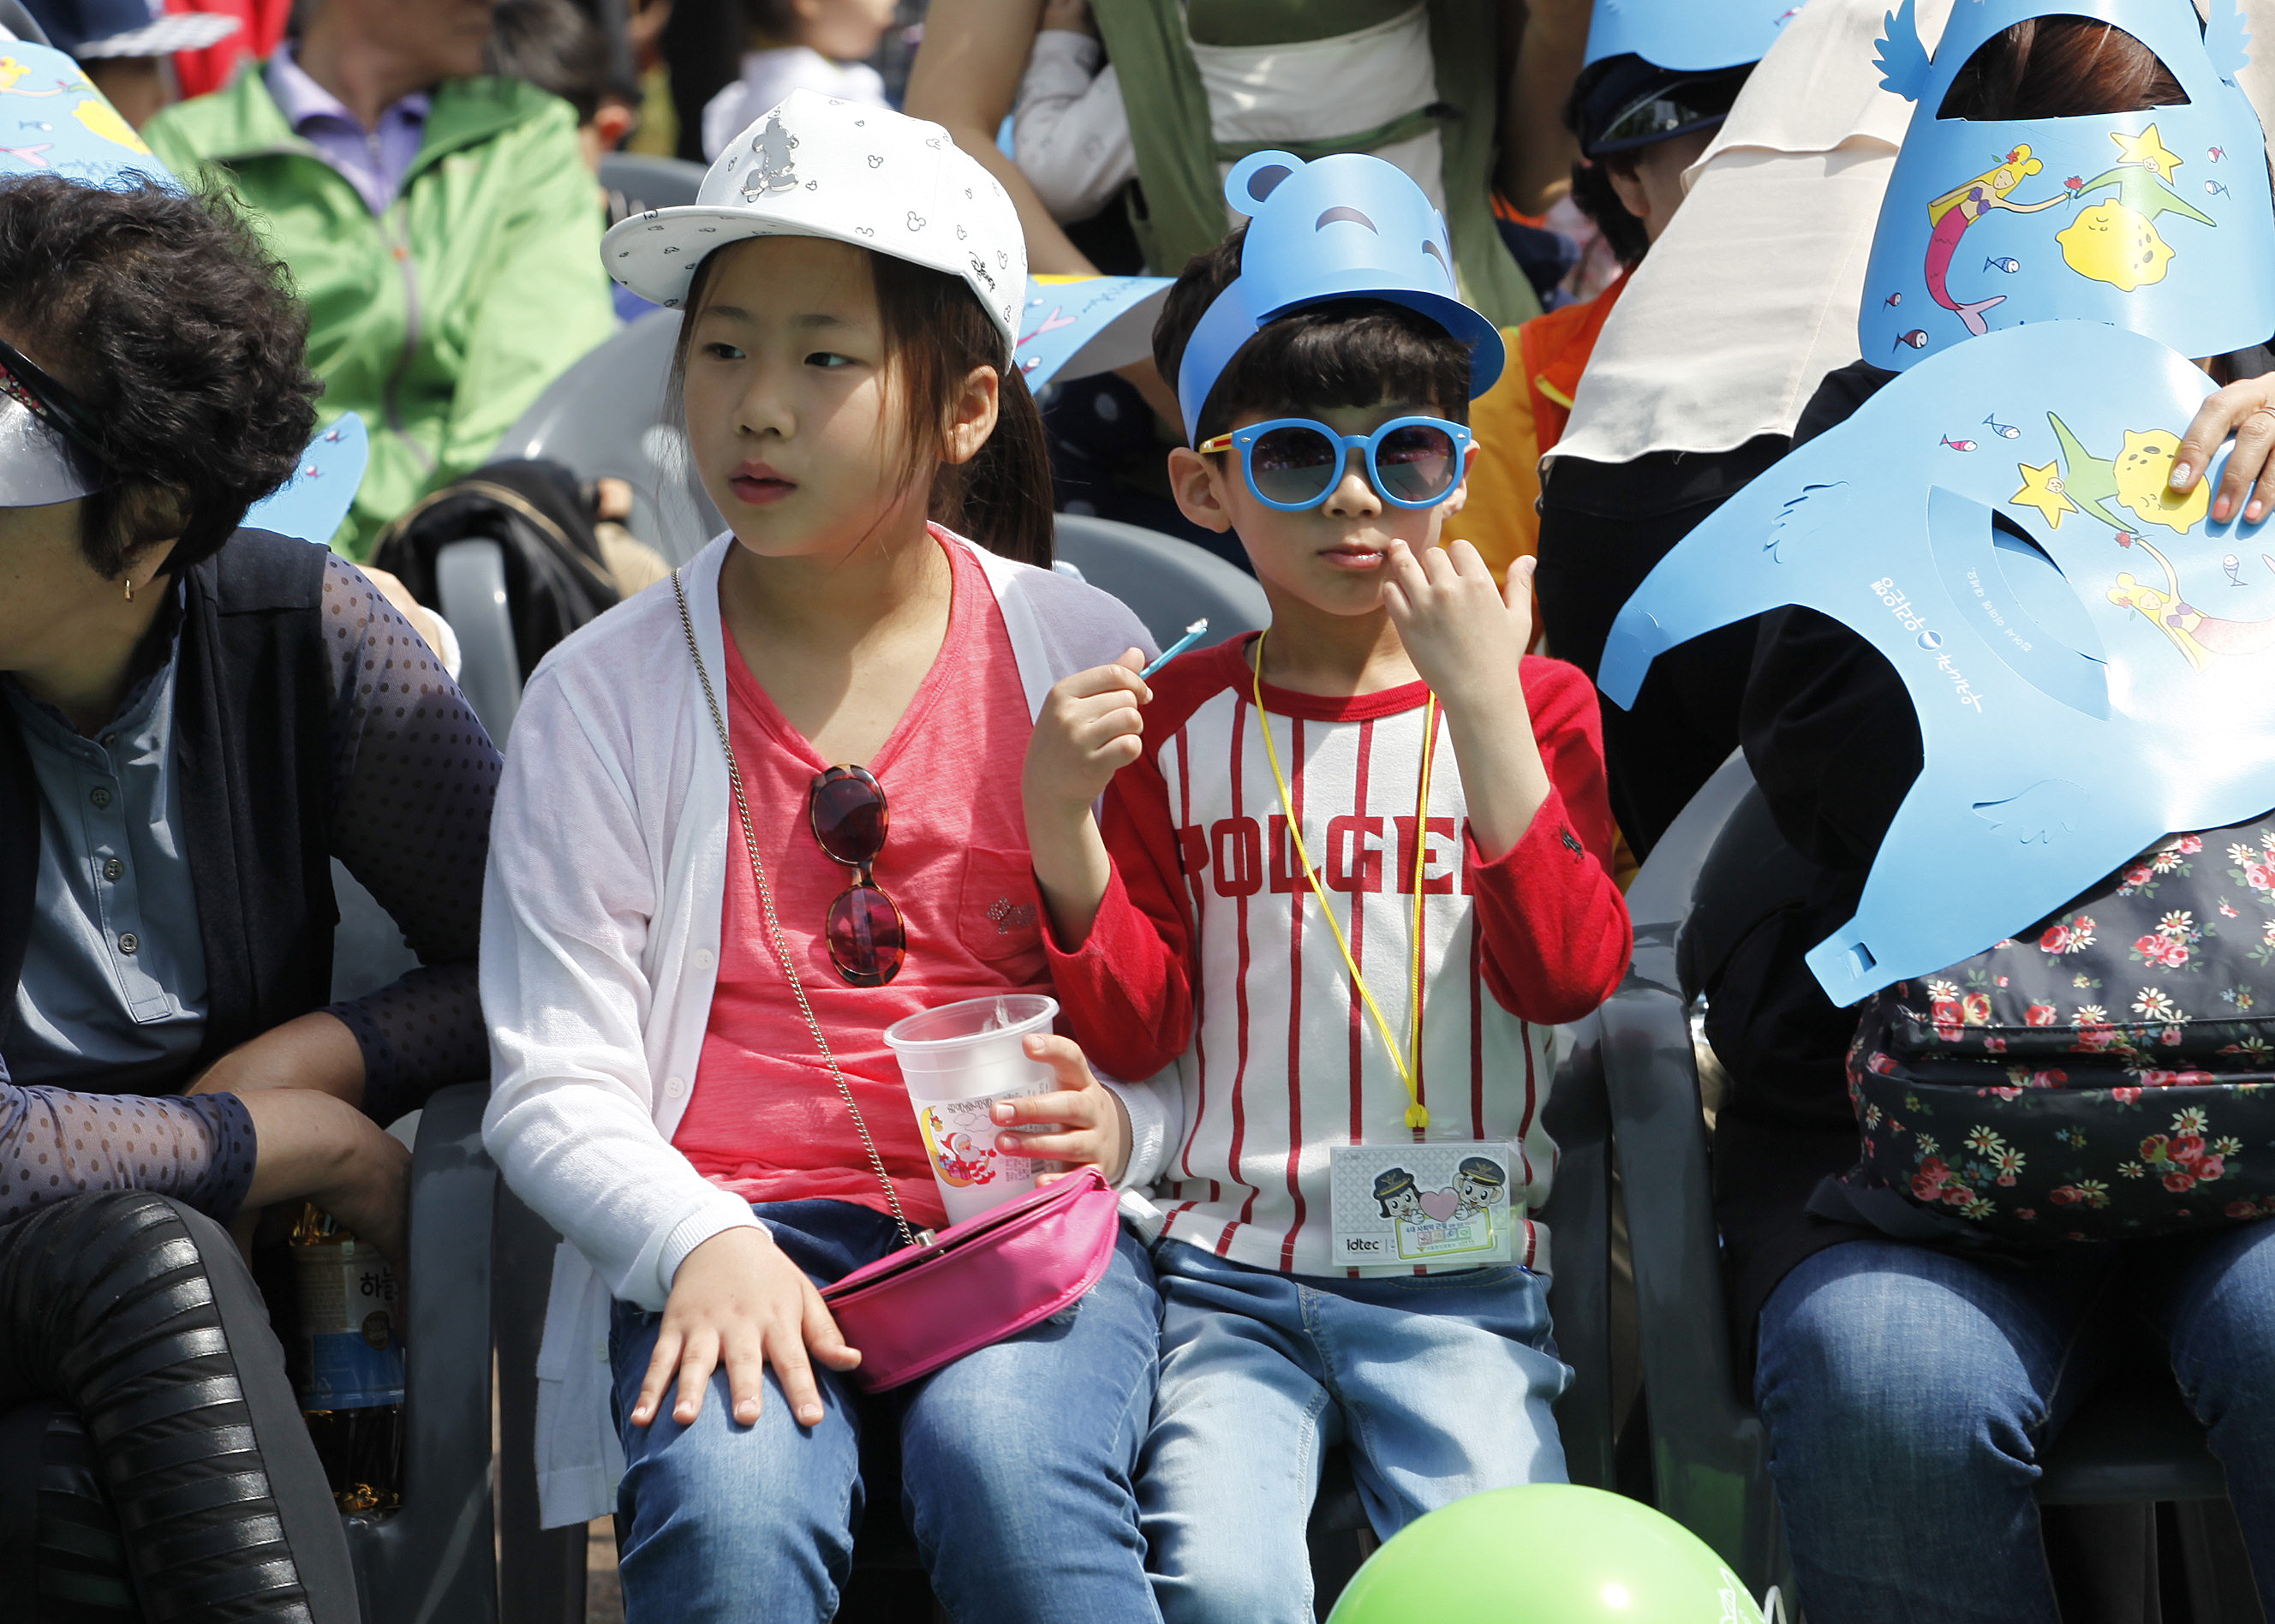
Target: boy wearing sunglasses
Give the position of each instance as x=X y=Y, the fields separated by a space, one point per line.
x=1346 y=874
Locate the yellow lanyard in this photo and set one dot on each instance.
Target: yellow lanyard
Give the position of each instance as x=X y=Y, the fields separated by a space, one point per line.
x=1406 y=1057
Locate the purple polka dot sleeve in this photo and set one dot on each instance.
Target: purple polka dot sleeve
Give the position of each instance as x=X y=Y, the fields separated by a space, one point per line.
x=413 y=774
x=56 y=1143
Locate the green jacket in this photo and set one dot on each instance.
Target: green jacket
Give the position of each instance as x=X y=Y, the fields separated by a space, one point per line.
x=442 y=319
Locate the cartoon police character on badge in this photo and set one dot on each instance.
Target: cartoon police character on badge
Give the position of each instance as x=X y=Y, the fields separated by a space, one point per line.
x=1481 y=1183
x=1398 y=1195
x=776 y=170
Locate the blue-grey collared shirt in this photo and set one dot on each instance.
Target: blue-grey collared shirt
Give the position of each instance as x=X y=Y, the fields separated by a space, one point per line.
x=113 y=992
x=374 y=161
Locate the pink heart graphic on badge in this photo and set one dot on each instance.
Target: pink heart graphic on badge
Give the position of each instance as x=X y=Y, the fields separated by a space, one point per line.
x=1442 y=1204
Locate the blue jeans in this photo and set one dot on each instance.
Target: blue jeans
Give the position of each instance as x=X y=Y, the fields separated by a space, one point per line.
x=1908 y=1392
x=1016 y=1463
x=1440 y=1384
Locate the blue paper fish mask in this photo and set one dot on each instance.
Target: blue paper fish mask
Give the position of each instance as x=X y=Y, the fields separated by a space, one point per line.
x=1344 y=227
x=1071 y=327
x=1689 y=35
x=313 y=504
x=2080 y=695
x=54 y=121
x=2159 y=221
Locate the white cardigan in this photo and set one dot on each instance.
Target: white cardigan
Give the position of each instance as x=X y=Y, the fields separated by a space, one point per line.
x=600 y=924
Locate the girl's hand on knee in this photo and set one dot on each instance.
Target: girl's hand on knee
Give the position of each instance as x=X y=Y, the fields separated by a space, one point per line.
x=1092 y=1125
x=738 y=1303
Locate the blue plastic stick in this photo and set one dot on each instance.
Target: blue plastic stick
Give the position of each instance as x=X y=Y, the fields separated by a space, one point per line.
x=1192 y=635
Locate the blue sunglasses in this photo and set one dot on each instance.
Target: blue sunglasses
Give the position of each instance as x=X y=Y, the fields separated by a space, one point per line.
x=1292 y=464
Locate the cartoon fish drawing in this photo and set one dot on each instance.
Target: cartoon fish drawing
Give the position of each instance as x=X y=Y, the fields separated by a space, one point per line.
x=2216 y=154
x=2213 y=188
x=1916 y=338
x=1891 y=301
x=1957 y=445
x=2232 y=565
x=2009 y=265
x=2005 y=431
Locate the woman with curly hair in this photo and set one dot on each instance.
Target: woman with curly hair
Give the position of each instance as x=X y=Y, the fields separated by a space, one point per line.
x=195 y=718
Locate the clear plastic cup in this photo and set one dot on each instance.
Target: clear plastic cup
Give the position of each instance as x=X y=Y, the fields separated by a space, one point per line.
x=957 y=1061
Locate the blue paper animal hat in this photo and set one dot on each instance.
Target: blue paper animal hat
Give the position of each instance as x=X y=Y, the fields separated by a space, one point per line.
x=2159 y=221
x=2081 y=694
x=1692 y=36
x=1345 y=227
x=54 y=121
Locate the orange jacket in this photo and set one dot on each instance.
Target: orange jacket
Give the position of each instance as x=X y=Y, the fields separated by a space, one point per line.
x=1518 y=420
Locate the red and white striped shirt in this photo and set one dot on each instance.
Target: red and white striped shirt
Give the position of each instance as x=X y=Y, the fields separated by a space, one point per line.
x=1209 y=953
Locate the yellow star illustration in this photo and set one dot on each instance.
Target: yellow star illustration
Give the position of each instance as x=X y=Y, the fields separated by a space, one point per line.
x=2041 y=489
x=2149 y=148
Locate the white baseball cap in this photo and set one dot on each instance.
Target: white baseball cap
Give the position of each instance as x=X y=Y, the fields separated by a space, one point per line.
x=816 y=166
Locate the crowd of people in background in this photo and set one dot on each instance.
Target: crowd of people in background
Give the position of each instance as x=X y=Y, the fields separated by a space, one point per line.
x=1467 y=315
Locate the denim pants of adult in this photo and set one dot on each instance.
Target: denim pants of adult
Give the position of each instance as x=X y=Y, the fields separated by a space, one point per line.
x=1908 y=1392
x=1016 y=1463
x=1441 y=1385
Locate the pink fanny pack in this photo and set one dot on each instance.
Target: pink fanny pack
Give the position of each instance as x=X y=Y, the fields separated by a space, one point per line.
x=940 y=1297
x=978 y=1281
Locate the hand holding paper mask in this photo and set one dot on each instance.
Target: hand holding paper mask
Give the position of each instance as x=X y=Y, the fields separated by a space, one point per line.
x=2042 y=596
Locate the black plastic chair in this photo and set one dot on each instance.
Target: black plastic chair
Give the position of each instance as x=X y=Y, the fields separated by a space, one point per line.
x=465 y=1545
x=2132 y=1443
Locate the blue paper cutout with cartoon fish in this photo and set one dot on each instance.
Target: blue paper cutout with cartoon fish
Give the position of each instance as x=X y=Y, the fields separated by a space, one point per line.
x=314 y=501
x=1071 y=327
x=2077 y=701
x=1350 y=226
x=53 y=121
x=1694 y=36
x=1990 y=224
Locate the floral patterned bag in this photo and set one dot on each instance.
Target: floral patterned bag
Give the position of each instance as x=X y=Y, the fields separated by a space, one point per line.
x=2109 y=1075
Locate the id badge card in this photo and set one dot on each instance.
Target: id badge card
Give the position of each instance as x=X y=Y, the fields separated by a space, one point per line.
x=1444 y=1202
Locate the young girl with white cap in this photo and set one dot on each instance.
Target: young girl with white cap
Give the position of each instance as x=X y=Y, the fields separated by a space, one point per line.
x=849 y=281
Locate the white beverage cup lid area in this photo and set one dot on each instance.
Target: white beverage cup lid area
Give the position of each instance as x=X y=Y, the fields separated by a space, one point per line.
x=974 y=1048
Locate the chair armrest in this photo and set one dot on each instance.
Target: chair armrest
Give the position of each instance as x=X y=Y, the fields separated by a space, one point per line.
x=434 y=1558
x=470 y=580
x=1708 y=1452
x=1578 y=1216
x=1708 y=1449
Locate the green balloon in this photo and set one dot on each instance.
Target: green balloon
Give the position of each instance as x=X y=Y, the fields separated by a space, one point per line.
x=1545 y=1553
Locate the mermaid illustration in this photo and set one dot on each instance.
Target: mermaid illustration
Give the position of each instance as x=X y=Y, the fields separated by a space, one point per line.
x=2198 y=636
x=1962 y=207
